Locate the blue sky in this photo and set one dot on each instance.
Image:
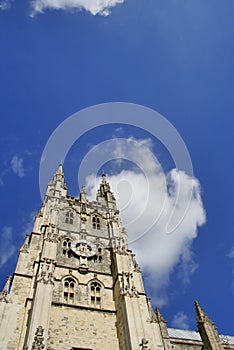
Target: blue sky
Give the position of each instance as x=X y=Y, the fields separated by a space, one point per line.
x=175 y=57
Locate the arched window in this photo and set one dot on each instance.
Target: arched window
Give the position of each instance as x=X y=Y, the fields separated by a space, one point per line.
x=95 y=294
x=69 y=217
x=66 y=247
x=69 y=290
x=96 y=222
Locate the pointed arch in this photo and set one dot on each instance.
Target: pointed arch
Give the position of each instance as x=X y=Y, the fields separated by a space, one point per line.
x=70 y=293
x=95 y=293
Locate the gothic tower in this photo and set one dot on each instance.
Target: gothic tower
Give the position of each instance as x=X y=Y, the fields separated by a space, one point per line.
x=77 y=284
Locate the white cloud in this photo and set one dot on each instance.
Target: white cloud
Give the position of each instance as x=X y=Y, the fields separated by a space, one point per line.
x=28 y=225
x=101 y=7
x=7 y=248
x=17 y=166
x=146 y=201
x=5 y=4
x=180 y=320
x=231 y=253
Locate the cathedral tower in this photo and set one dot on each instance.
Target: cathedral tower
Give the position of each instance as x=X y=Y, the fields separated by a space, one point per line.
x=77 y=284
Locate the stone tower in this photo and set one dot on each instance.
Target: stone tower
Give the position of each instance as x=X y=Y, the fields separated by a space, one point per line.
x=76 y=284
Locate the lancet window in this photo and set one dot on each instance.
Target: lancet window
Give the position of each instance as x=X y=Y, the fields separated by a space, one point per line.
x=95 y=294
x=69 y=290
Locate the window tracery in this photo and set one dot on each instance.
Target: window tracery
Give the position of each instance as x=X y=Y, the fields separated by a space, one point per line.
x=69 y=290
x=96 y=222
x=95 y=294
x=69 y=217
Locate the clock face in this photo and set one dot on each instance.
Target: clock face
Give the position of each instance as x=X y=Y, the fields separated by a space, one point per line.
x=83 y=248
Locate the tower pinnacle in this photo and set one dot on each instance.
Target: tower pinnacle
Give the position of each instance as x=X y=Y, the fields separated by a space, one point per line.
x=104 y=191
x=207 y=330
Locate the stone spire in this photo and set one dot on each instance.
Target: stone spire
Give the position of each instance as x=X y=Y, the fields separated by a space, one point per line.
x=59 y=174
x=207 y=330
x=105 y=191
x=57 y=186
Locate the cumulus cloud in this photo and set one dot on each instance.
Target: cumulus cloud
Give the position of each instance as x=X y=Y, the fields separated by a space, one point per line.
x=180 y=320
x=7 y=247
x=148 y=201
x=17 y=166
x=101 y=7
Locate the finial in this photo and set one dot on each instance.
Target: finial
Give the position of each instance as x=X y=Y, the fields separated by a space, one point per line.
x=201 y=315
x=159 y=315
x=104 y=178
x=60 y=168
x=83 y=195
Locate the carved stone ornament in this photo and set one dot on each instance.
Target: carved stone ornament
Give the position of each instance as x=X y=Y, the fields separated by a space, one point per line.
x=135 y=264
x=127 y=285
x=24 y=248
x=144 y=344
x=4 y=295
x=38 y=343
x=46 y=272
x=51 y=234
x=152 y=317
x=119 y=246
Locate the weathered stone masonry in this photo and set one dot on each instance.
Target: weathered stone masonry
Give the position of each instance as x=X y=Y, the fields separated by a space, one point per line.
x=77 y=285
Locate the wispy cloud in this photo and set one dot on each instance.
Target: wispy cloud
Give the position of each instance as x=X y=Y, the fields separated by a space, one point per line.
x=231 y=253
x=5 y=4
x=28 y=224
x=92 y=6
x=180 y=320
x=146 y=201
x=7 y=246
x=17 y=166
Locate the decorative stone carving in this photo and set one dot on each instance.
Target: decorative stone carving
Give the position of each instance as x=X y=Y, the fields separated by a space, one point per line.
x=127 y=285
x=4 y=296
x=24 y=248
x=38 y=343
x=135 y=264
x=118 y=245
x=152 y=317
x=46 y=272
x=83 y=198
x=51 y=233
x=144 y=344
